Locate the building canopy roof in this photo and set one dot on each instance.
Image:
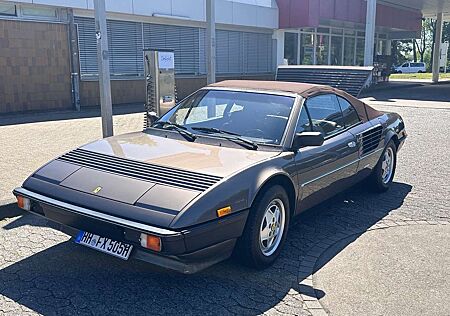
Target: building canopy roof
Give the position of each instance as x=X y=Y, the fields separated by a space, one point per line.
x=429 y=8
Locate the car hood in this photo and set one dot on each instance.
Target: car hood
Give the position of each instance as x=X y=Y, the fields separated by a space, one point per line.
x=193 y=156
x=140 y=177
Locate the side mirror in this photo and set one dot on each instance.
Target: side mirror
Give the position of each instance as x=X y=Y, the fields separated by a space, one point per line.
x=152 y=117
x=306 y=139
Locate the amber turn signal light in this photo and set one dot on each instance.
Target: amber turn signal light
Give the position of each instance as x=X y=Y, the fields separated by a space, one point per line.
x=224 y=211
x=151 y=242
x=23 y=203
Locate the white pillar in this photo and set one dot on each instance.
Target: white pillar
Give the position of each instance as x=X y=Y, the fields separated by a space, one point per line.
x=437 y=48
x=211 y=41
x=278 y=35
x=104 y=77
x=370 y=32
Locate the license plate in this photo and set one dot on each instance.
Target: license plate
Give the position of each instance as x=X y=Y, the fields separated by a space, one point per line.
x=103 y=244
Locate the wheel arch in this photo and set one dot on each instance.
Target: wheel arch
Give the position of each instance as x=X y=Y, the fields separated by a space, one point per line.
x=284 y=181
x=391 y=135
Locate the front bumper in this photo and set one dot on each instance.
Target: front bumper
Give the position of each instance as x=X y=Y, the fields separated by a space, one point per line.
x=188 y=250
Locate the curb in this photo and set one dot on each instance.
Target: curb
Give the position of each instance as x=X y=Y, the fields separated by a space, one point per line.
x=309 y=262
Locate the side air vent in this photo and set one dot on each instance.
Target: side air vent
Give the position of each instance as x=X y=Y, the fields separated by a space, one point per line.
x=141 y=170
x=371 y=139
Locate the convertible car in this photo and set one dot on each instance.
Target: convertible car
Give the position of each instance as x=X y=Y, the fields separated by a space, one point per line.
x=222 y=172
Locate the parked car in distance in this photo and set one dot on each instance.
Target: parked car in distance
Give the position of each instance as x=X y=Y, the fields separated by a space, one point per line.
x=223 y=171
x=411 y=68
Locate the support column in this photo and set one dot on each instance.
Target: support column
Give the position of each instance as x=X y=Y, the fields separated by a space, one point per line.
x=211 y=41
x=437 y=48
x=104 y=76
x=278 y=35
x=75 y=61
x=370 y=32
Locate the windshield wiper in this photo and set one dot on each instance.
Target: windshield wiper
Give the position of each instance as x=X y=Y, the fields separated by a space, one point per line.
x=233 y=136
x=179 y=128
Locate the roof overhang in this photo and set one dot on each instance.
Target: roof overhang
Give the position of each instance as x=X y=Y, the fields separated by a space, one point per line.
x=429 y=8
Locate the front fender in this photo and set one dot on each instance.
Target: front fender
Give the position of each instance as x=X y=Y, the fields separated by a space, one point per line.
x=237 y=191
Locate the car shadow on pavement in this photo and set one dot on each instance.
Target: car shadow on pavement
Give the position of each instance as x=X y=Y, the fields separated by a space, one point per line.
x=85 y=112
x=418 y=92
x=10 y=210
x=66 y=278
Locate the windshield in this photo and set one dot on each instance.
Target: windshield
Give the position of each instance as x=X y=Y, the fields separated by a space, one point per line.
x=258 y=117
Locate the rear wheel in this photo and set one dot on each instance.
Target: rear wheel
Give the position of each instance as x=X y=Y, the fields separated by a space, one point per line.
x=384 y=171
x=266 y=229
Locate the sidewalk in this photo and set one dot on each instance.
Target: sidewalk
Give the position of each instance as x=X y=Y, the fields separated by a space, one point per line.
x=26 y=146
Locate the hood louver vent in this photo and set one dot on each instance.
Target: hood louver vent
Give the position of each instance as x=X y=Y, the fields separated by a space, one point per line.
x=371 y=139
x=141 y=170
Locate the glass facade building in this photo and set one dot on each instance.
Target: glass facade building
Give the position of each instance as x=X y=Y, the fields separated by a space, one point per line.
x=329 y=46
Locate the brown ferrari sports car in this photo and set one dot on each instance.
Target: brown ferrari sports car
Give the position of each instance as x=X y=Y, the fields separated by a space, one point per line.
x=224 y=170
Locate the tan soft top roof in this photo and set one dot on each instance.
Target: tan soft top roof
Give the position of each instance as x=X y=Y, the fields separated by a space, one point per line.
x=306 y=90
x=293 y=87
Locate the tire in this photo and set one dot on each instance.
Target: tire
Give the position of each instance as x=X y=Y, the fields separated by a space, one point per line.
x=250 y=250
x=379 y=180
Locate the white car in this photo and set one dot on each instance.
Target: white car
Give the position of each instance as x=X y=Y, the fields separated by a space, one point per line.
x=411 y=68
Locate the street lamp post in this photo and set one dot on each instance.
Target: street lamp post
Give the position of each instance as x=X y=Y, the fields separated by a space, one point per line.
x=104 y=76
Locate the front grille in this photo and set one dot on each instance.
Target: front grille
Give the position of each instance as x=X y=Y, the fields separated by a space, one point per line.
x=371 y=139
x=141 y=170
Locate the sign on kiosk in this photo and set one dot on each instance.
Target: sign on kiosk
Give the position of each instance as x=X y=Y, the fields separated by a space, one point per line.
x=166 y=60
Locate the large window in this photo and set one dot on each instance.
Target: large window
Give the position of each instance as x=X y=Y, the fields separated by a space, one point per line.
x=8 y=9
x=360 y=51
x=349 y=51
x=38 y=11
x=307 y=49
x=322 y=49
x=336 y=50
x=237 y=52
x=183 y=40
x=326 y=114
x=291 y=47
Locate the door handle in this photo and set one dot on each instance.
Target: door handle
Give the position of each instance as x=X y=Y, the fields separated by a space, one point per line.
x=352 y=144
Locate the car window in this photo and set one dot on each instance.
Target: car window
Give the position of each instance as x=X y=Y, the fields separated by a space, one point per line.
x=326 y=115
x=405 y=65
x=349 y=113
x=303 y=124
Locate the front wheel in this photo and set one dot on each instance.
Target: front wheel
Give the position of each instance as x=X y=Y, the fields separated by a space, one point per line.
x=266 y=229
x=384 y=171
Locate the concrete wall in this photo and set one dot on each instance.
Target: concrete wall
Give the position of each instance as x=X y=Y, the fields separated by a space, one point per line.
x=35 y=66
x=255 y=13
x=133 y=91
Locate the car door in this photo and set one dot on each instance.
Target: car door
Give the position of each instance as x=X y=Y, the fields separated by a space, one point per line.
x=405 y=68
x=324 y=170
